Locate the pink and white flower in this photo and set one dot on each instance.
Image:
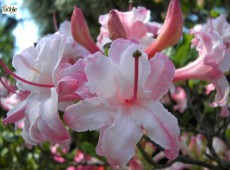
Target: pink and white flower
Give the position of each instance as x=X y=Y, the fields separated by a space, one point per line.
x=212 y=63
x=220 y=25
x=128 y=88
x=136 y=24
x=70 y=74
x=178 y=94
x=40 y=108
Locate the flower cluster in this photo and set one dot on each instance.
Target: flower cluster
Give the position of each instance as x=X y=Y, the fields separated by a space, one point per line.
x=115 y=85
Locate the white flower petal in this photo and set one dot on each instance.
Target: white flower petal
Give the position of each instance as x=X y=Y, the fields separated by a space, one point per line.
x=119 y=140
x=89 y=114
x=161 y=125
x=161 y=76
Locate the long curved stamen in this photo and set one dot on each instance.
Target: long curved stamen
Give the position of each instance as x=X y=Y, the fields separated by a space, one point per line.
x=136 y=56
x=21 y=79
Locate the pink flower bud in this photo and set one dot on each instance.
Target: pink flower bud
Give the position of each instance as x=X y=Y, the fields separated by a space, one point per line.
x=80 y=31
x=171 y=31
x=116 y=29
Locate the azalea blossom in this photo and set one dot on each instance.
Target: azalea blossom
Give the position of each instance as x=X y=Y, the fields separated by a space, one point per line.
x=70 y=74
x=178 y=94
x=220 y=25
x=136 y=24
x=52 y=75
x=40 y=108
x=128 y=88
x=9 y=102
x=212 y=63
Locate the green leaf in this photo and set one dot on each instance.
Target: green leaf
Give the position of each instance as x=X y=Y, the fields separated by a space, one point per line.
x=227 y=133
x=88 y=148
x=182 y=53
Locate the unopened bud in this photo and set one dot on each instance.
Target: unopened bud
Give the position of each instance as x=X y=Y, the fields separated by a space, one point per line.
x=80 y=31
x=171 y=30
x=116 y=29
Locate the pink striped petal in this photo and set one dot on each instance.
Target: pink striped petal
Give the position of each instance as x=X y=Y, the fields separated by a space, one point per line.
x=30 y=132
x=53 y=48
x=101 y=73
x=117 y=48
x=99 y=149
x=18 y=112
x=222 y=88
x=25 y=63
x=161 y=125
x=50 y=118
x=42 y=121
x=119 y=140
x=161 y=76
x=26 y=134
x=89 y=114
x=224 y=111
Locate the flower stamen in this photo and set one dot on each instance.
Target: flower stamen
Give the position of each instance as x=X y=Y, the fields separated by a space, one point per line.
x=21 y=79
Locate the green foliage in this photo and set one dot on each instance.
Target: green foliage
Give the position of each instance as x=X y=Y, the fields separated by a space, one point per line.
x=183 y=53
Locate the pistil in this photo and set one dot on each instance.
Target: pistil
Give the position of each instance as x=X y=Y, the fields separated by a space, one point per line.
x=136 y=56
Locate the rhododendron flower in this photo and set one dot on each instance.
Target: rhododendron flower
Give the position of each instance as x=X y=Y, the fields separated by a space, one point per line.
x=219 y=145
x=193 y=146
x=178 y=94
x=220 y=25
x=40 y=108
x=128 y=88
x=55 y=153
x=9 y=102
x=136 y=24
x=213 y=61
x=70 y=75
